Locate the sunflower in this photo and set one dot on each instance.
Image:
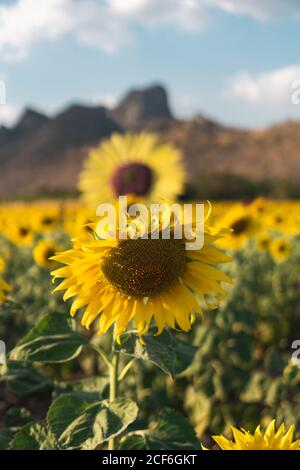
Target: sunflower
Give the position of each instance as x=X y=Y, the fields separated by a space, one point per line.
x=259 y=206
x=263 y=241
x=47 y=219
x=277 y=220
x=242 y=223
x=4 y=289
x=280 y=249
x=131 y=164
x=77 y=219
x=2 y=264
x=144 y=279
x=43 y=251
x=271 y=440
x=21 y=234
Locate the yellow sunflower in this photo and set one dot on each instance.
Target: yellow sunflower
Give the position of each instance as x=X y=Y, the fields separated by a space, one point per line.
x=4 y=289
x=2 y=265
x=131 y=164
x=21 y=233
x=43 y=251
x=242 y=223
x=47 y=219
x=277 y=219
x=271 y=440
x=142 y=279
x=280 y=249
x=263 y=241
x=260 y=206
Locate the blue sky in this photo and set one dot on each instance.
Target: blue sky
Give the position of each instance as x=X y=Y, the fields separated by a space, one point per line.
x=233 y=60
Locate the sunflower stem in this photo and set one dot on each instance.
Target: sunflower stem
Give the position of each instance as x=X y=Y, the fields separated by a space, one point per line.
x=113 y=389
x=126 y=370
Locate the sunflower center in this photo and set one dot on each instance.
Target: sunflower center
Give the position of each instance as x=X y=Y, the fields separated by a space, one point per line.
x=49 y=253
x=47 y=221
x=132 y=178
x=23 y=231
x=144 y=267
x=281 y=248
x=240 y=225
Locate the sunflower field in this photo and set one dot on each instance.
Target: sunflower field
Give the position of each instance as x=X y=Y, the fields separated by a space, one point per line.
x=164 y=349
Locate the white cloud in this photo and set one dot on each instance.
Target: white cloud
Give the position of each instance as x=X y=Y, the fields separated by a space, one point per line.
x=263 y=98
x=186 y=105
x=184 y=14
x=9 y=114
x=102 y=24
x=97 y=26
x=274 y=87
x=108 y=25
x=194 y=13
x=108 y=100
x=27 y=22
x=259 y=9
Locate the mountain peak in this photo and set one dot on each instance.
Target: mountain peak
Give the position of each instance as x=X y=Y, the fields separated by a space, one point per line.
x=140 y=105
x=30 y=119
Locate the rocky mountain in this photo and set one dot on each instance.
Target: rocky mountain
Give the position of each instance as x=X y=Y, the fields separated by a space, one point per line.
x=139 y=107
x=44 y=154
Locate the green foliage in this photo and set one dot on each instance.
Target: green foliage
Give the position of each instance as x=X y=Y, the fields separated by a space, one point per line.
x=172 y=432
x=80 y=424
x=233 y=368
x=23 y=379
x=227 y=186
x=33 y=436
x=92 y=388
x=52 y=340
x=166 y=351
x=241 y=374
x=15 y=420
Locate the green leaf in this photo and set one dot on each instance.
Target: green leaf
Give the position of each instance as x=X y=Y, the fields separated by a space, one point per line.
x=5 y=438
x=78 y=424
x=166 y=351
x=173 y=432
x=274 y=361
x=238 y=350
x=91 y=388
x=17 y=417
x=53 y=339
x=33 y=436
x=23 y=379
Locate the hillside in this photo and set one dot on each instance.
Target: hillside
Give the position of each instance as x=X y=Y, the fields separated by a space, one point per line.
x=43 y=154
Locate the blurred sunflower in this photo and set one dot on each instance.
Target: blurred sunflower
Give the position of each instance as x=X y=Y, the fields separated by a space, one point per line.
x=141 y=279
x=132 y=164
x=277 y=220
x=4 y=289
x=259 y=206
x=2 y=265
x=21 y=233
x=271 y=440
x=263 y=241
x=43 y=251
x=76 y=222
x=47 y=219
x=280 y=249
x=243 y=225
